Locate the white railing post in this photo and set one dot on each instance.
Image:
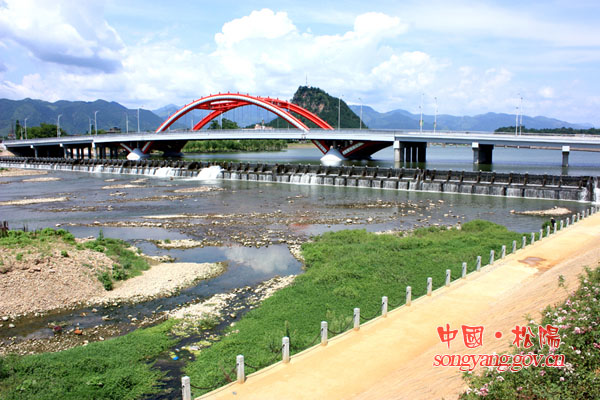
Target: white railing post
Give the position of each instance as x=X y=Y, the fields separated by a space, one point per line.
x=555 y=227
x=491 y=257
x=562 y=224
x=285 y=349
x=241 y=374
x=548 y=231
x=429 y=286
x=384 y=306
x=503 y=253
x=356 y=319
x=532 y=238
x=464 y=270
x=408 y=295
x=448 y=277
x=478 y=267
x=186 y=390
x=524 y=242
x=541 y=234
x=573 y=219
x=514 y=249
x=323 y=333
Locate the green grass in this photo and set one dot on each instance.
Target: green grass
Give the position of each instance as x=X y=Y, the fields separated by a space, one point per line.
x=15 y=239
x=118 y=368
x=347 y=269
x=127 y=262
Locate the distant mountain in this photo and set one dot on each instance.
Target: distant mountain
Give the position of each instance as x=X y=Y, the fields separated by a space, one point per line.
x=76 y=115
x=401 y=119
x=327 y=107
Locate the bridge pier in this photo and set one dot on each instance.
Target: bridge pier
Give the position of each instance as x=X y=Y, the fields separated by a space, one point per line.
x=410 y=151
x=482 y=153
x=565 y=156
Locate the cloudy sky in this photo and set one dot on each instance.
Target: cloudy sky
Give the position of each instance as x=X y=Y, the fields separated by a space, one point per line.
x=473 y=56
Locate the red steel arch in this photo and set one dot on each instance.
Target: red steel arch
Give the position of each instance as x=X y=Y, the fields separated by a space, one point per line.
x=220 y=103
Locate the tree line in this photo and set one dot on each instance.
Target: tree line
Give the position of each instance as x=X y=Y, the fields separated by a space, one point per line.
x=563 y=130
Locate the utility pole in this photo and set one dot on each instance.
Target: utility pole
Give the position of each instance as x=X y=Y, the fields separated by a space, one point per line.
x=95 y=122
x=138 y=118
x=26 y=128
x=126 y=123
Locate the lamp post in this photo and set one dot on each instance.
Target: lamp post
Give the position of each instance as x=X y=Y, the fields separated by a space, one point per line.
x=435 y=115
x=521 y=119
x=138 y=118
x=339 y=108
x=421 y=111
x=26 y=128
x=360 y=119
x=90 y=126
x=96 y=122
x=517 y=121
x=58 y=125
x=126 y=124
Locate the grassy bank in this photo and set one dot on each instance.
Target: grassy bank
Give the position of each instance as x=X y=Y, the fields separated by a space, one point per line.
x=118 y=368
x=233 y=146
x=19 y=246
x=346 y=269
x=578 y=319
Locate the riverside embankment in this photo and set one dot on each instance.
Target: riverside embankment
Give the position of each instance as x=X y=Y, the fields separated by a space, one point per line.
x=392 y=357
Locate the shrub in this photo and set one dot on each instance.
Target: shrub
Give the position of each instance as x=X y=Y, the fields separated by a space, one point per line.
x=104 y=278
x=578 y=319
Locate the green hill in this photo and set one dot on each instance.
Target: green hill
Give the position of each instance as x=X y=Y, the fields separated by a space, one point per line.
x=325 y=106
x=75 y=117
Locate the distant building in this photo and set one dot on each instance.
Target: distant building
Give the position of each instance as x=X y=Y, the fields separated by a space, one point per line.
x=114 y=129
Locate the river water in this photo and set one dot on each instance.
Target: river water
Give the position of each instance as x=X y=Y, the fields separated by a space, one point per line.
x=456 y=158
x=250 y=224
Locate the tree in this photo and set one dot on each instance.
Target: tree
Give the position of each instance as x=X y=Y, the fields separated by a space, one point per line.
x=227 y=124
x=42 y=131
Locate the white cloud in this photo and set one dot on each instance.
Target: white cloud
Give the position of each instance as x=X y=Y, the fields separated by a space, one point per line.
x=70 y=33
x=263 y=24
x=546 y=92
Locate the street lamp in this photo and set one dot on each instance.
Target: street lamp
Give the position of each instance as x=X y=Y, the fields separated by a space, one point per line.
x=421 y=111
x=90 y=127
x=126 y=123
x=339 y=108
x=95 y=123
x=517 y=121
x=360 y=119
x=435 y=115
x=58 y=125
x=26 y=128
x=521 y=119
x=138 y=118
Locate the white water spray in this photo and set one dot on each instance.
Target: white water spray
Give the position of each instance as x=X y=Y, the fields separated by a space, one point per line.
x=208 y=174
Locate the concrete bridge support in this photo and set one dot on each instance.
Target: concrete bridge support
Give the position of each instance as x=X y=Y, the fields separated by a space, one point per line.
x=565 y=156
x=482 y=153
x=410 y=151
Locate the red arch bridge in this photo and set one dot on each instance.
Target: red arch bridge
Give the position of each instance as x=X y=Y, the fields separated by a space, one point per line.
x=409 y=145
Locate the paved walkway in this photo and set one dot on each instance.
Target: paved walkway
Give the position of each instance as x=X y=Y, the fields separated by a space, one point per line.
x=391 y=358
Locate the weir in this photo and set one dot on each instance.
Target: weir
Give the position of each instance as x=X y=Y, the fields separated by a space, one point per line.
x=552 y=187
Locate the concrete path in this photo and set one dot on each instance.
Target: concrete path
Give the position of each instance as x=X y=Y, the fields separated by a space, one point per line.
x=391 y=358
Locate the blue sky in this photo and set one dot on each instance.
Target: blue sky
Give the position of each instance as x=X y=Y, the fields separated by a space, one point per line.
x=472 y=56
